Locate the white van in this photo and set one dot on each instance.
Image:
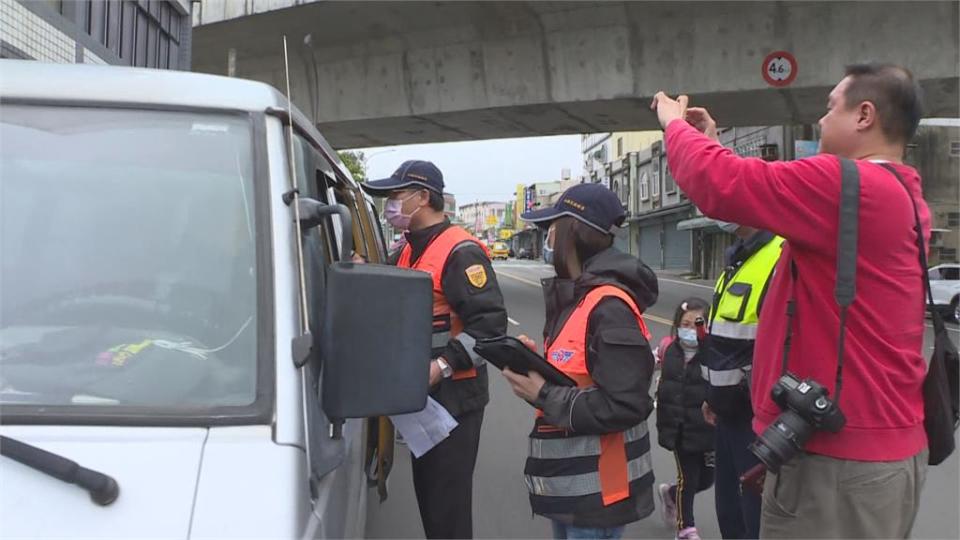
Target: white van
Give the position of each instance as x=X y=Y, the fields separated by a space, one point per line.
x=172 y=362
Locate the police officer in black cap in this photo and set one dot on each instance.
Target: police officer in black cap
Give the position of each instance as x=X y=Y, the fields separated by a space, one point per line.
x=467 y=305
x=589 y=470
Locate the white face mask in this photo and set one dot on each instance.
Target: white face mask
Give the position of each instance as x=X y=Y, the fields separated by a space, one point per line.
x=688 y=336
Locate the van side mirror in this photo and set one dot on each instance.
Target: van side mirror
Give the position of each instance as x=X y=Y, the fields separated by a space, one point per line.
x=376 y=340
x=312 y=213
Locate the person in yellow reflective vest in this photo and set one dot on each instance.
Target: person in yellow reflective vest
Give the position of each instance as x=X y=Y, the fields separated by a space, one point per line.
x=728 y=358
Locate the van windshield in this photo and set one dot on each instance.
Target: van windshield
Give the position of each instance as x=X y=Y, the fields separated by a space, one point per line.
x=127 y=259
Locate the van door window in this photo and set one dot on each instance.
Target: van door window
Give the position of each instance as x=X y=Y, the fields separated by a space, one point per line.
x=363 y=242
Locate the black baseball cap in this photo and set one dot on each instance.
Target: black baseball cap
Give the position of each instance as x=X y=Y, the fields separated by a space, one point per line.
x=593 y=204
x=413 y=173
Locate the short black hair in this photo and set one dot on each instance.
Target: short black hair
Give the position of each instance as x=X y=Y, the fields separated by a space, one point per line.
x=893 y=91
x=436 y=200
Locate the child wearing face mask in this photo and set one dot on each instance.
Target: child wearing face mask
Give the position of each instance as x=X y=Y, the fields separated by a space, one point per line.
x=680 y=424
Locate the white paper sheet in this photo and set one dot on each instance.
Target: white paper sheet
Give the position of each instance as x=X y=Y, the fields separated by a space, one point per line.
x=425 y=429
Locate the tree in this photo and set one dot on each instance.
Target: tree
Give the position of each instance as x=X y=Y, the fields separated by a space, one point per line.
x=354 y=163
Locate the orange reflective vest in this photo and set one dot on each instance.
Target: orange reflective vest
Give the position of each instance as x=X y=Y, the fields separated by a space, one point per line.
x=446 y=323
x=553 y=449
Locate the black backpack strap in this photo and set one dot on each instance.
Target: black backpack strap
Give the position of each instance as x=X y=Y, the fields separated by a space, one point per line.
x=922 y=247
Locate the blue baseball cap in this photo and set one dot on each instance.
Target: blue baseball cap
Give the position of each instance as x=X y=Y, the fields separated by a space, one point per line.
x=593 y=204
x=413 y=173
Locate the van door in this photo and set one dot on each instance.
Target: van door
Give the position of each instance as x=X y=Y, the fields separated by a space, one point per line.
x=335 y=465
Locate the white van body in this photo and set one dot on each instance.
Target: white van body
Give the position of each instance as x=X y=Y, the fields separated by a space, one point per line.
x=222 y=452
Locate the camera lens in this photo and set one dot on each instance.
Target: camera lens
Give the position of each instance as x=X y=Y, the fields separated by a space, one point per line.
x=782 y=440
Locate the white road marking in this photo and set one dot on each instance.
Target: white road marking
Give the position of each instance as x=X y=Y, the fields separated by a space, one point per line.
x=518 y=278
x=684 y=283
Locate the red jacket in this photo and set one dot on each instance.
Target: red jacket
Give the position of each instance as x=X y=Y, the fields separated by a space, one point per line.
x=799 y=200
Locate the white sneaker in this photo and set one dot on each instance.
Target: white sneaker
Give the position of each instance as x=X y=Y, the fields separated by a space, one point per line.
x=668 y=508
x=690 y=533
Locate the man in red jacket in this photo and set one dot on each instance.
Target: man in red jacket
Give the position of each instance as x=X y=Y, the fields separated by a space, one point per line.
x=865 y=480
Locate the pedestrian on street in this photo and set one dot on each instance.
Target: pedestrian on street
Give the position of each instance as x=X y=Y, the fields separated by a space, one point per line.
x=589 y=470
x=467 y=305
x=681 y=427
x=728 y=359
x=864 y=478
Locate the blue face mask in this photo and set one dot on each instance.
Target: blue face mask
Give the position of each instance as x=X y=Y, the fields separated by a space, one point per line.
x=688 y=336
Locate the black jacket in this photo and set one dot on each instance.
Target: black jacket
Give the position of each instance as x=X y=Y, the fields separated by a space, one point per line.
x=680 y=396
x=480 y=309
x=620 y=362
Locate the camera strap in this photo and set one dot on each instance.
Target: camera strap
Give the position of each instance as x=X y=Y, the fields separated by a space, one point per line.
x=846 y=287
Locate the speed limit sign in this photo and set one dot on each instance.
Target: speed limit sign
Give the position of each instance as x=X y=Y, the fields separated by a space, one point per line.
x=779 y=69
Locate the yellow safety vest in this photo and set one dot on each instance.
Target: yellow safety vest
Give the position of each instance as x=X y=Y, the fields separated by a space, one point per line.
x=735 y=312
x=736 y=307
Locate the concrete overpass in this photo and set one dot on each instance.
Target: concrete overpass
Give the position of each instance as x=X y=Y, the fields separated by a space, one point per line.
x=378 y=73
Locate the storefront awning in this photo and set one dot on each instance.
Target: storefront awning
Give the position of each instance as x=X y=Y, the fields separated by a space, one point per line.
x=701 y=222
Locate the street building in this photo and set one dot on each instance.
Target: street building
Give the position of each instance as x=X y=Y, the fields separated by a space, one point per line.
x=153 y=34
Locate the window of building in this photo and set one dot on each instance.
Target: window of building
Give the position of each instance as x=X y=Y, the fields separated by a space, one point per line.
x=953 y=219
x=669 y=184
x=620 y=147
x=955 y=148
x=144 y=33
x=644 y=186
x=655 y=185
x=949 y=254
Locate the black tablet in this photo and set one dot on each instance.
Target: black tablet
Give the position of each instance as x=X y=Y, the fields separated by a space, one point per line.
x=508 y=351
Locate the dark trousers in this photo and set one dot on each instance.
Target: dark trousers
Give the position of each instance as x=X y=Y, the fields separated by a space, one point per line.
x=443 y=481
x=738 y=511
x=694 y=474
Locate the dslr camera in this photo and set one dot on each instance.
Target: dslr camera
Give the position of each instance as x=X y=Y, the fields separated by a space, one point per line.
x=806 y=409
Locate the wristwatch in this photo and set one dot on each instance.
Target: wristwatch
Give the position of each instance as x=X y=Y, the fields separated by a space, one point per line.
x=445 y=368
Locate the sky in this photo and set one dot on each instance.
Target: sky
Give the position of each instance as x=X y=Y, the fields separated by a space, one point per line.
x=485 y=170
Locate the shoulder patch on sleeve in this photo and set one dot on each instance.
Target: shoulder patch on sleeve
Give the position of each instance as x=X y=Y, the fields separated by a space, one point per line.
x=477 y=275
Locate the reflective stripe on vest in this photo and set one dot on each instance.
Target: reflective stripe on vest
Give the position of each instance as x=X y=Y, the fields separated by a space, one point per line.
x=579 y=446
x=726 y=377
x=727 y=329
x=578 y=485
x=568 y=353
x=432 y=261
x=739 y=294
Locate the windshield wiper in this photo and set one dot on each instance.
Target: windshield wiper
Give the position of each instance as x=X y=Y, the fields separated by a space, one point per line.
x=103 y=489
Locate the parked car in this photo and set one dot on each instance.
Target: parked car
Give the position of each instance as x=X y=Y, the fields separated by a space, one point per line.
x=945 y=285
x=171 y=284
